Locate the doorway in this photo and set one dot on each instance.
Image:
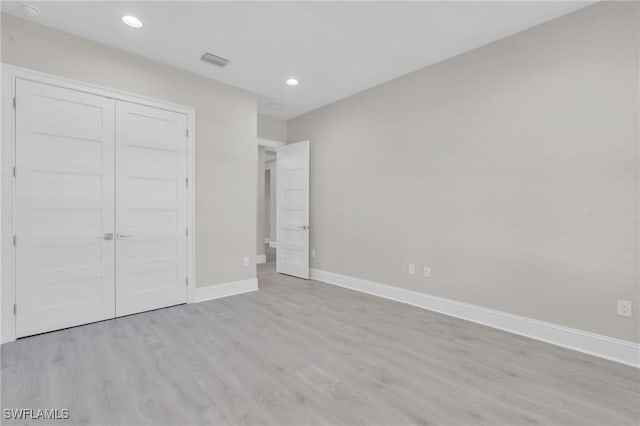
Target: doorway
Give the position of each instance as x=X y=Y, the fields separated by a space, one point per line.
x=267 y=215
x=270 y=191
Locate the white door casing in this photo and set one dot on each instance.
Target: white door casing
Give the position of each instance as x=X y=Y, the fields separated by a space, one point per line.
x=293 y=210
x=64 y=208
x=151 y=206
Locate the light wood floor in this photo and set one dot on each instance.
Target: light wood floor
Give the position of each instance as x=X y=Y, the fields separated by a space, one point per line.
x=302 y=352
x=266 y=268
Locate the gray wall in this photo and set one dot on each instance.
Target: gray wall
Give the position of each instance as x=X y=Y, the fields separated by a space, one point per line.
x=226 y=134
x=272 y=128
x=511 y=170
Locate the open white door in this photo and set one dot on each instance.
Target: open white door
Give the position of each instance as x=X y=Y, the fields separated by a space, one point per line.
x=293 y=210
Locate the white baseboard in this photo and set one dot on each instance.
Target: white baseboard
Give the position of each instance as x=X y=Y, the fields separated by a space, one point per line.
x=261 y=258
x=211 y=292
x=618 y=350
x=273 y=244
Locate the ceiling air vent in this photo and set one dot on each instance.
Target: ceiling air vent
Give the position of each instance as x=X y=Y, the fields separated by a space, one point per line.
x=215 y=60
x=274 y=106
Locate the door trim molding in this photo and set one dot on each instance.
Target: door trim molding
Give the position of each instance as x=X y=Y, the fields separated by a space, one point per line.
x=7 y=251
x=269 y=143
x=606 y=347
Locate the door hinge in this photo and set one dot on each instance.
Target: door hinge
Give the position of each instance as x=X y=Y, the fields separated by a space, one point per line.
x=186 y=281
x=186 y=232
x=187 y=132
x=15 y=239
x=14 y=102
x=14 y=171
x=186 y=182
x=15 y=309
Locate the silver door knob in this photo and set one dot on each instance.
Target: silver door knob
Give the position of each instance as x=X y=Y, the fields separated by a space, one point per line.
x=305 y=227
x=107 y=236
x=124 y=236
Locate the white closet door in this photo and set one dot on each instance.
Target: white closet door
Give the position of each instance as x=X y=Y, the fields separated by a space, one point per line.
x=64 y=208
x=293 y=210
x=151 y=208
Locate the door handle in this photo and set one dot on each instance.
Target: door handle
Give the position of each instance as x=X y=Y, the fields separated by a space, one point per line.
x=124 y=236
x=108 y=236
x=305 y=227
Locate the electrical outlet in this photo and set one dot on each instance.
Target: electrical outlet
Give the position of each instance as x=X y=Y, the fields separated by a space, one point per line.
x=624 y=308
x=412 y=269
x=246 y=261
x=427 y=272
x=313 y=253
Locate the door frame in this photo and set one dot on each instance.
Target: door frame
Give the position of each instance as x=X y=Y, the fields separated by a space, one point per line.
x=270 y=145
x=7 y=163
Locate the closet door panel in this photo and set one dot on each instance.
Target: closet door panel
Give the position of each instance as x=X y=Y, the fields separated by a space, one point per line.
x=64 y=217
x=151 y=208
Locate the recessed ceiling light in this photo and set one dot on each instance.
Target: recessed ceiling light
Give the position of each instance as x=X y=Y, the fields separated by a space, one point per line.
x=29 y=11
x=292 y=82
x=132 y=21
